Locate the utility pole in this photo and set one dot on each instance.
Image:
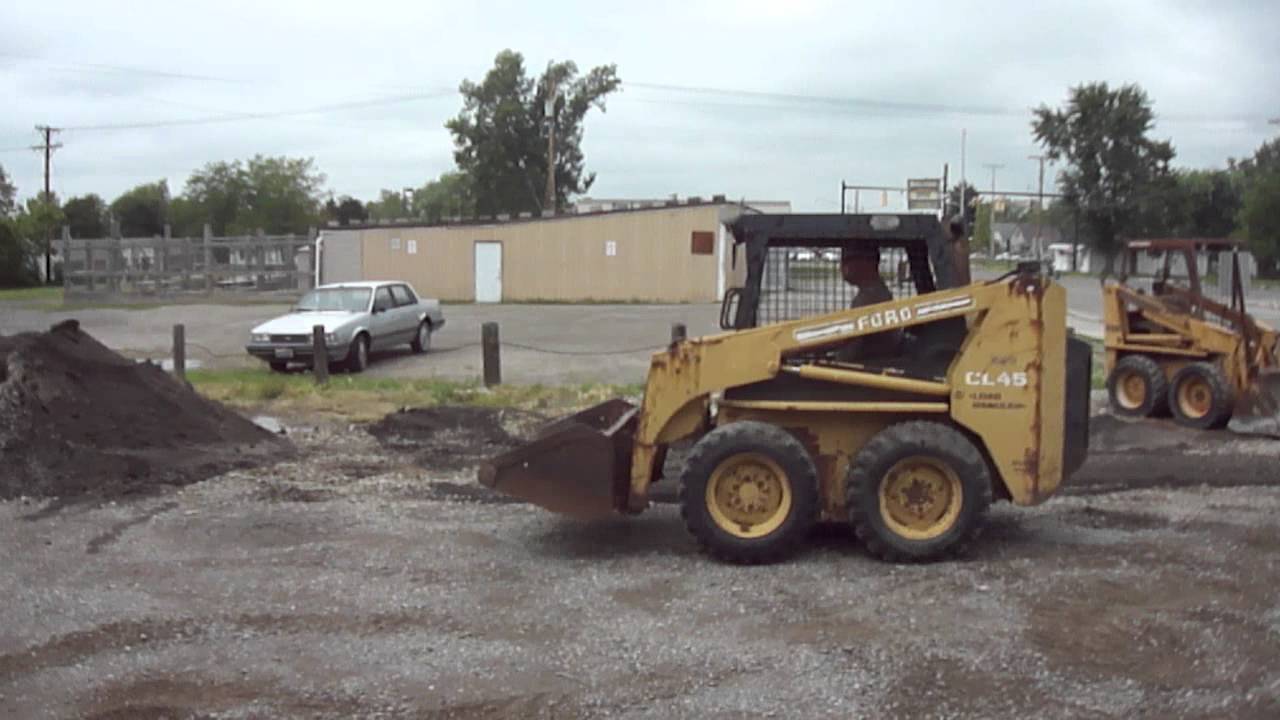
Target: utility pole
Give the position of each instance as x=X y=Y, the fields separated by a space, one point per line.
x=963 y=133
x=993 y=167
x=549 y=110
x=48 y=147
x=1039 y=204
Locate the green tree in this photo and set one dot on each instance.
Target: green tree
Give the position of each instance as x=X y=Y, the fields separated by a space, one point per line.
x=499 y=138
x=215 y=194
x=36 y=224
x=390 y=205
x=970 y=204
x=1214 y=201
x=982 y=236
x=272 y=194
x=1259 y=217
x=87 y=216
x=450 y=195
x=1103 y=135
x=346 y=210
x=143 y=210
x=284 y=195
x=8 y=195
x=16 y=256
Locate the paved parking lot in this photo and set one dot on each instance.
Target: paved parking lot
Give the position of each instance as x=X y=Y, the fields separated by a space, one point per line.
x=574 y=343
x=582 y=343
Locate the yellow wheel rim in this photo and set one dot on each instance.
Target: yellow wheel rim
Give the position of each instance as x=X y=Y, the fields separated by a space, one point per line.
x=1131 y=390
x=748 y=495
x=920 y=498
x=1195 y=397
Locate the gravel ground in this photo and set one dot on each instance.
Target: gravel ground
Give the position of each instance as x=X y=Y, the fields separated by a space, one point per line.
x=352 y=583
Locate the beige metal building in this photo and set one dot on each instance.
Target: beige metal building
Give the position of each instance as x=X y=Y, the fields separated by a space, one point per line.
x=670 y=254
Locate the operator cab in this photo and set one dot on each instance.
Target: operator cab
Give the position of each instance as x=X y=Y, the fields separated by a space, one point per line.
x=793 y=270
x=1177 y=268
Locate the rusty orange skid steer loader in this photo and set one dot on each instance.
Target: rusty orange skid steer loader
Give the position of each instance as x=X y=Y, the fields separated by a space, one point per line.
x=1176 y=351
x=986 y=397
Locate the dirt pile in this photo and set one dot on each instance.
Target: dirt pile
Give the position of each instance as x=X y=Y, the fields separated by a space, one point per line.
x=451 y=438
x=77 y=419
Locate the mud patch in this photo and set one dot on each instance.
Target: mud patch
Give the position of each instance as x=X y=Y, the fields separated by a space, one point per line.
x=458 y=492
x=288 y=492
x=1092 y=517
x=1143 y=454
x=96 y=544
x=77 y=419
x=450 y=438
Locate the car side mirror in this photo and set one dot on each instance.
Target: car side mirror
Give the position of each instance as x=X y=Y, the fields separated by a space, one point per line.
x=378 y=308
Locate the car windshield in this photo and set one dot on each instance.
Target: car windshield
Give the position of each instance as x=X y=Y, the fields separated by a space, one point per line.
x=345 y=299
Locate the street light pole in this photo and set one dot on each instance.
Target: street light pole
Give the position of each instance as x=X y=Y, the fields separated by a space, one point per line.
x=1039 y=205
x=963 y=133
x=993 y=167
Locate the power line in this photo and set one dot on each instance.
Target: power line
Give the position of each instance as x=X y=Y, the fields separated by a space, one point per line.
x=831 y=100
x=908 y=106
x=232 y=117
x=104 y=67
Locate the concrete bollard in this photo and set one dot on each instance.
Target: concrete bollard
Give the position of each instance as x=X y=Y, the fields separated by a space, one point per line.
x=319 y=355
x=491 y=352
x=180 y=351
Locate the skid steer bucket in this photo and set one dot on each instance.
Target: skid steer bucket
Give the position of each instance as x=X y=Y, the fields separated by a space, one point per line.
x=578 y=466
x=1257 y=410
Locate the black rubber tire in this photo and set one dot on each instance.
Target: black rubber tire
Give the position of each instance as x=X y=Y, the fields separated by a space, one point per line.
x=280 y=367
x=874 y=461
x=417 y=345
x=791 y=457
x=357 y=361
x=1156 y=402
x=1220 y=391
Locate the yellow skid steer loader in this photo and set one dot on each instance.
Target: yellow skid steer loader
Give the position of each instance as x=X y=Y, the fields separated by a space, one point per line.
x=985 y=397
x=1174 y=350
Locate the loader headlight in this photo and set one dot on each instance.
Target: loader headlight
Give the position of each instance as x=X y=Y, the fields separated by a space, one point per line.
x=261 y=338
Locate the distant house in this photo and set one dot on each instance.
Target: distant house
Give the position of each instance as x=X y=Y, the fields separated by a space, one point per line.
x=1018 y=238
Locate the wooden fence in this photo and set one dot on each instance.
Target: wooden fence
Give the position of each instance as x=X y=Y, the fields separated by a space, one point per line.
x=175 y=266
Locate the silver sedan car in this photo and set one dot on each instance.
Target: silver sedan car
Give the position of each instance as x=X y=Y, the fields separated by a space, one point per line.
x=358 y=318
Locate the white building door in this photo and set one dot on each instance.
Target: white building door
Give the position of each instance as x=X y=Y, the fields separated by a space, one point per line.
x=488 y=272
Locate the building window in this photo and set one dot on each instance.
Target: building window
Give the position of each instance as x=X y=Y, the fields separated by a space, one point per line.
x=395 y=244
x=411 y=247
x=610 y=248
x=704 y=243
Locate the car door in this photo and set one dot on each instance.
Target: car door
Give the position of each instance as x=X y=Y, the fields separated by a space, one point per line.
x=382 y=322
x=406 y=312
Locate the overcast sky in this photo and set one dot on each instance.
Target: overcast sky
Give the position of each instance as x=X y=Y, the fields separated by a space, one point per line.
x=767 y=100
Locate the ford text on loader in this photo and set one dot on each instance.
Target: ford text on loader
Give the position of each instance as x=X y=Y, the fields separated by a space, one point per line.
x=984 y=396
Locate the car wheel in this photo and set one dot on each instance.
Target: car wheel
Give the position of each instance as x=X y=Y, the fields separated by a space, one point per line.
x=422 y=339
x=358 y=356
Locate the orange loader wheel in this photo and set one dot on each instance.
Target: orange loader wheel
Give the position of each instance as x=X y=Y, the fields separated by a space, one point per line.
x=1200 y=396
x=1137 y=387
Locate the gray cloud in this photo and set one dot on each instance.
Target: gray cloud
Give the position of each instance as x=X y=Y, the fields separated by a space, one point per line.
x=1207 y=66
